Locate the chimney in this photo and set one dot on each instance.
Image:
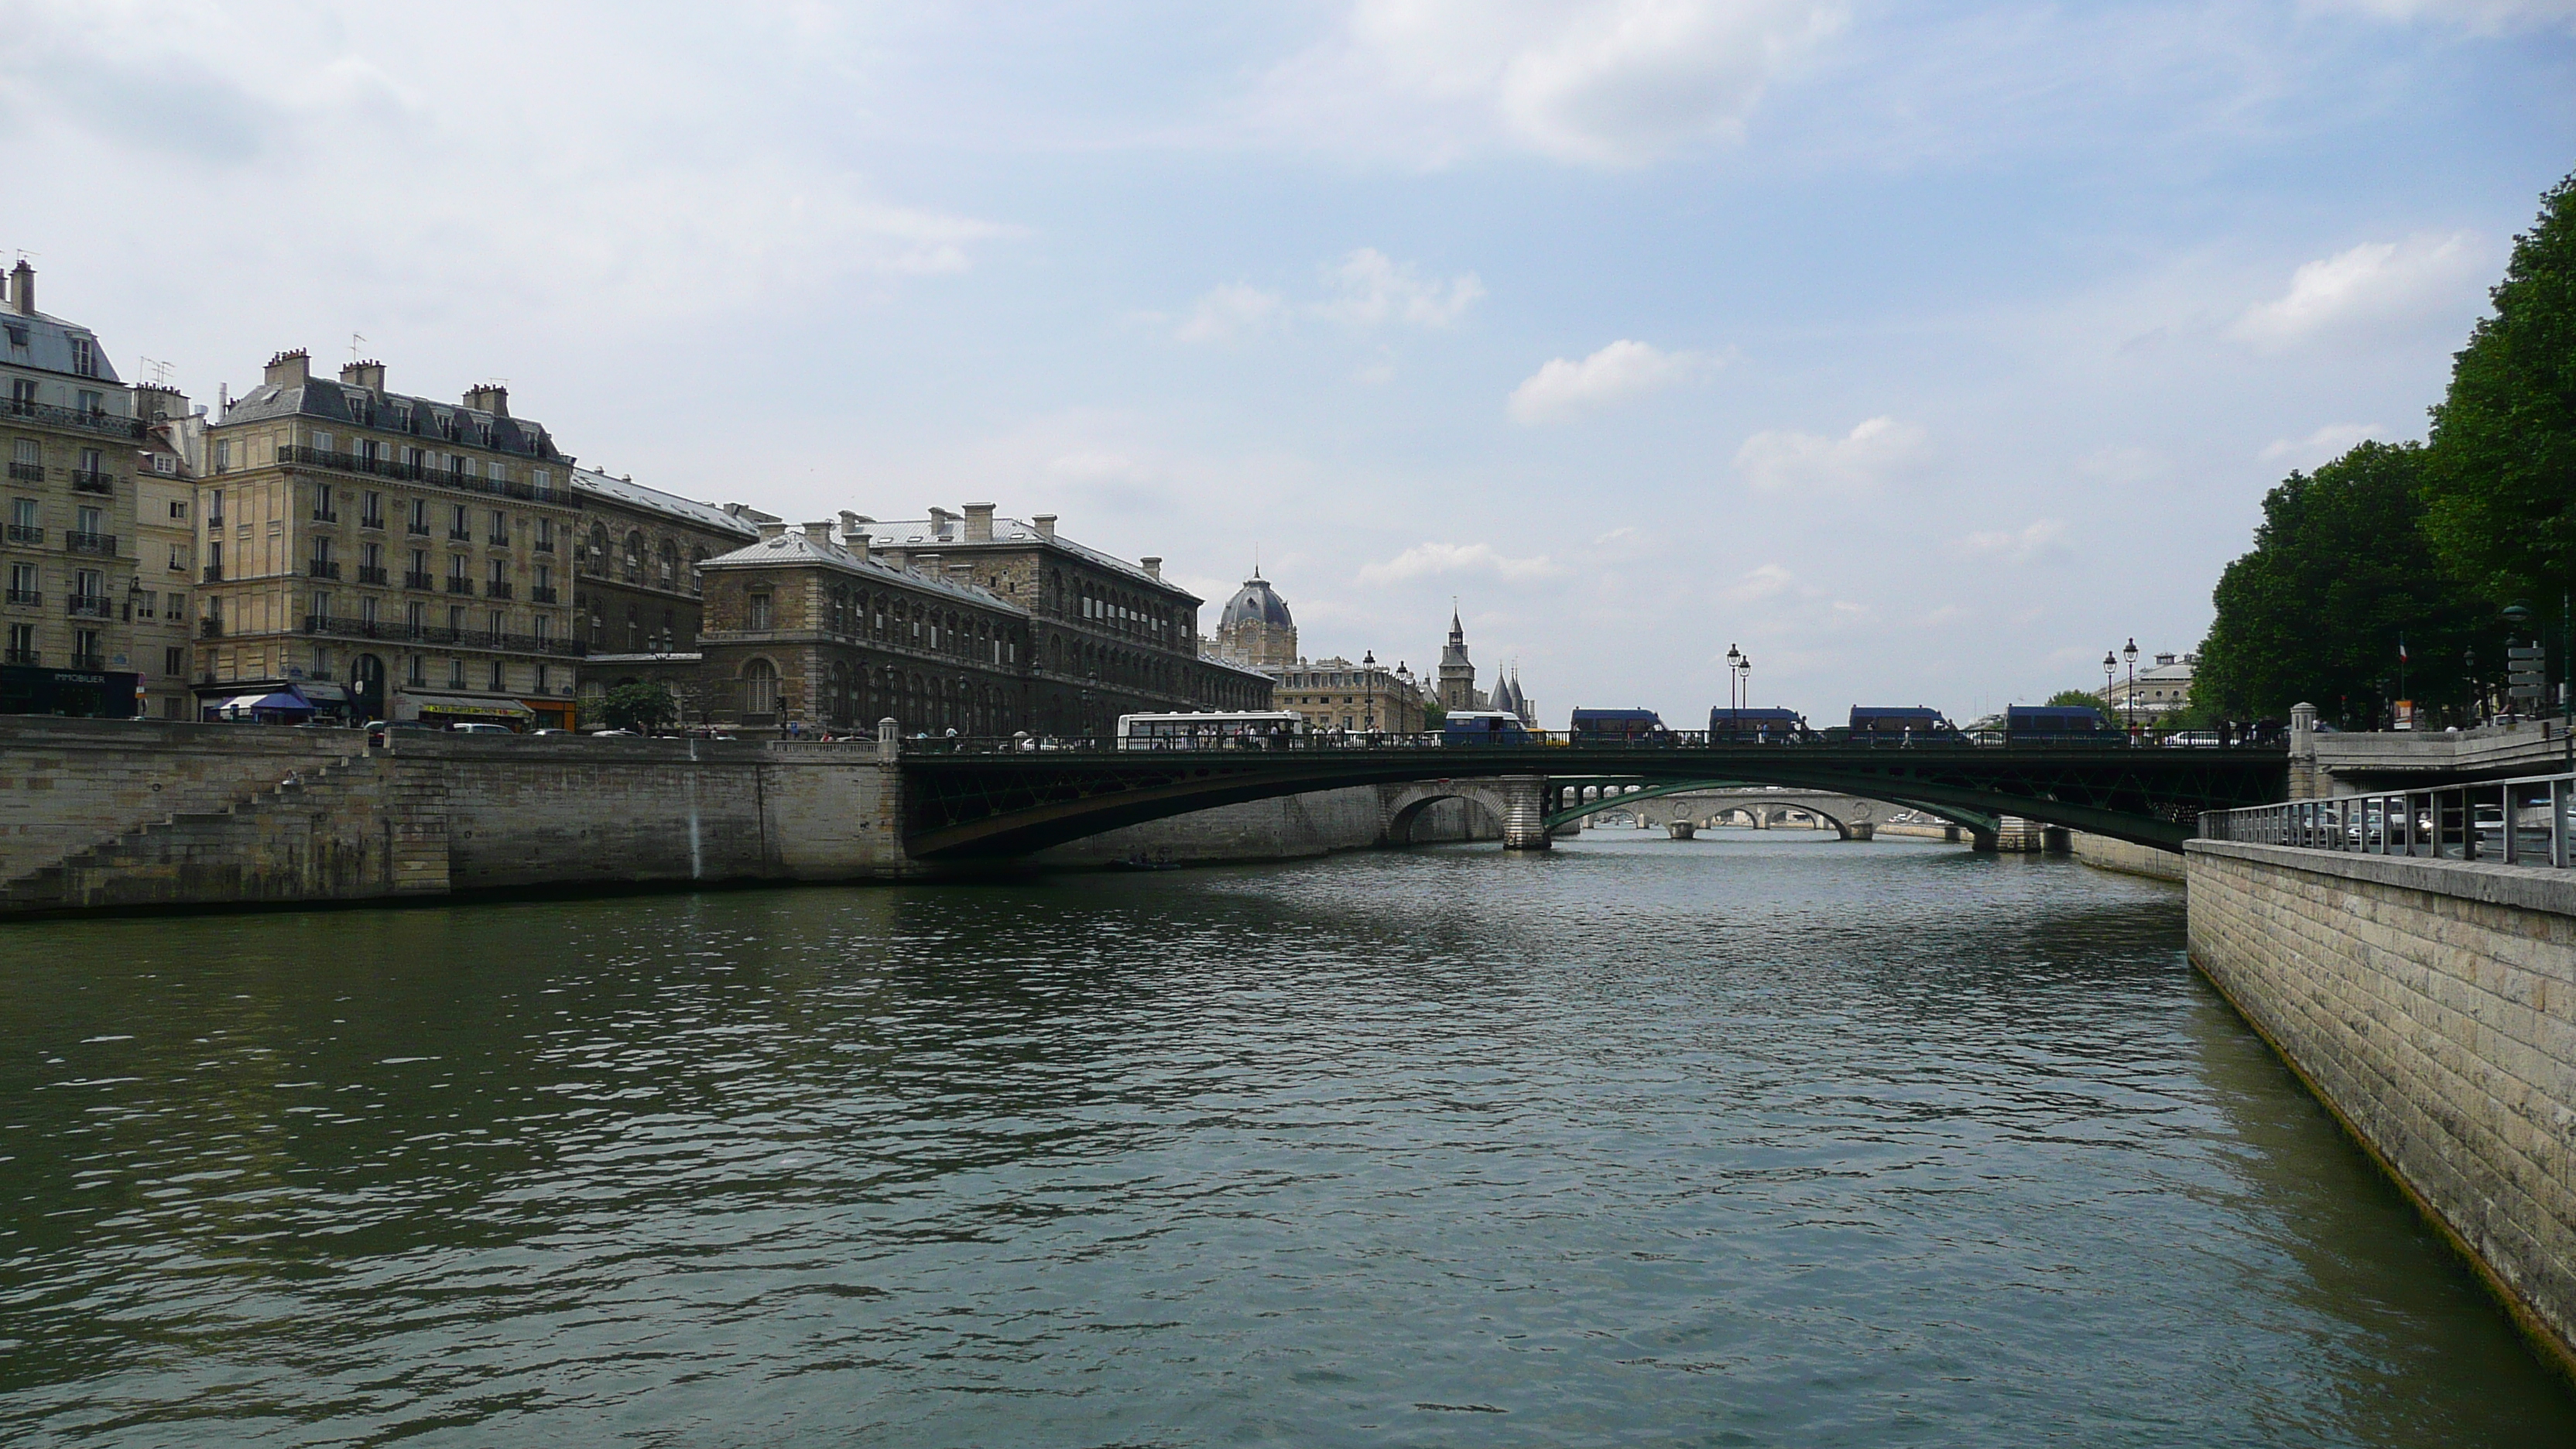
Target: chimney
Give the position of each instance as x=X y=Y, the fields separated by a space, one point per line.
x=942 y=522
x=895 y=558
x=489 y=397
x=369 y=375
x=22 y=289
x=289 y=369
x=2163 y=659
x=155 y=402
x=1046 y=526
x=819 y=532
x=979 y=523
x=925 y=563
x=1153 y=568
x=858 y=542
x=772 y=528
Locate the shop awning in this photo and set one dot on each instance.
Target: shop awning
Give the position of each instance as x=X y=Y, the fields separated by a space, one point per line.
x=321 y=693
x=245 y=703
x=468 y=705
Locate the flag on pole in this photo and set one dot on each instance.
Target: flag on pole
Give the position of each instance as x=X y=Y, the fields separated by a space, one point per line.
x=2401 y=648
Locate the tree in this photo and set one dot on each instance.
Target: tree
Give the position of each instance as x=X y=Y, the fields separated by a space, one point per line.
x=639 y=707
x=2080 y=699
x=2341 y=571
x=2500 y=480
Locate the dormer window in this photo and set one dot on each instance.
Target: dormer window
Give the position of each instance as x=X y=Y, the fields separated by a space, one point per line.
x=84 y=357
x=18 y=336
x=402 y=419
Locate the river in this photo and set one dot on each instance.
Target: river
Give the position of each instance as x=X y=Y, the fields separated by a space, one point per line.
x=1759 y=1139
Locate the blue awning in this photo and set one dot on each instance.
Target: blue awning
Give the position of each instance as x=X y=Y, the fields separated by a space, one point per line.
x=281 y=701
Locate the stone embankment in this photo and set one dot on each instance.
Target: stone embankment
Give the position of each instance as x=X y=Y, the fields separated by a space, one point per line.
x=97 y=815
x=2431 y=1005
x=2103 y=853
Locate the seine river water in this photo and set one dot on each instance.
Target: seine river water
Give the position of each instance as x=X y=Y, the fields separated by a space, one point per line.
x=1758 y=1139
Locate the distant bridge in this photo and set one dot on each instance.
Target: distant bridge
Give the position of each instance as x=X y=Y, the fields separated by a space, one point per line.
x=1692 y=805
x=969 y=799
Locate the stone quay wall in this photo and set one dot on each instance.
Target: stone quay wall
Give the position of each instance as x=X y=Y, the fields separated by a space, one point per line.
x=2431 y=1005
x=2103 y=853
x=106 y=814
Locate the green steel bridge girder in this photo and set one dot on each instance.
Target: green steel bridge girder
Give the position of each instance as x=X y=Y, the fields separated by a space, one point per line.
x=1972 y=820
x=968 y=805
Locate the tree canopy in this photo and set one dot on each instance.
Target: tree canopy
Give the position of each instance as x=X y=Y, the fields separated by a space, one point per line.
x=2341 y=571
x=2080 y=699
x=637 y=706
x=2500 y=480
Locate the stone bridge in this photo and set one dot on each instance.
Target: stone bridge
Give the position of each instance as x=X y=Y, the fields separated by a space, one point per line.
x=1686 y=812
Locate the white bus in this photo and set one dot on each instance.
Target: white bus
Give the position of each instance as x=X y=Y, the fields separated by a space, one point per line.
x=1254 y=730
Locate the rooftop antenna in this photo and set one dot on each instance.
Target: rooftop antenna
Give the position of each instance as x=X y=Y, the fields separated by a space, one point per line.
x=355 y=342
x=160 y=370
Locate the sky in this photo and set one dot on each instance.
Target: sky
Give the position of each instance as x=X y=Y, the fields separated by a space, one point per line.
x=1922 y=352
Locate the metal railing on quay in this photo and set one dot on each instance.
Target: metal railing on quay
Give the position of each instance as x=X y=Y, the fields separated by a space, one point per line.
x=2511 y=822
x=1643 y=744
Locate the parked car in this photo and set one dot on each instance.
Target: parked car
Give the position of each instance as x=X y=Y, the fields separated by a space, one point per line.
x=476 y=727
x=377 y=728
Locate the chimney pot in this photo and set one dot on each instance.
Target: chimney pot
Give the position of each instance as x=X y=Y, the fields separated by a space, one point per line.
x=979 y=523
x=772 y=529
x=819 y=532
x=292 y=368
x=489 y=397
x=369 y=375
x=1153 y=567
x=22 y=288
x=1045 y=523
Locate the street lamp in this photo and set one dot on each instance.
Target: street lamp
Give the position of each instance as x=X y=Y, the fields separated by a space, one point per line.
x=1734 y=677
x=2110 y=671
x=2131 y=654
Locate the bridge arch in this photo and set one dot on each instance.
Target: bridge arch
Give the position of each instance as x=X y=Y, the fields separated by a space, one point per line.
x=1403 y=805
x=1573 y=802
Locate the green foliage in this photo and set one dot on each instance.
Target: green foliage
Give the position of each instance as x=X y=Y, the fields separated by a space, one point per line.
x=2080 y=699
x=639 y=707
x=1434 y=715
x=2500 y=488
x=2341 y=570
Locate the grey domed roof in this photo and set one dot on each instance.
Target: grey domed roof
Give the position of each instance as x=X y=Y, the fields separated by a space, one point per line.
x=1255 y=603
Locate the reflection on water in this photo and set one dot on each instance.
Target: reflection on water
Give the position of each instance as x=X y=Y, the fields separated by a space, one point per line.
x=1732 y=1141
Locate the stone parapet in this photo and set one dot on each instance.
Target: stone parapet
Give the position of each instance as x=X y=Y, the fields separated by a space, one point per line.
x=2431 y=1005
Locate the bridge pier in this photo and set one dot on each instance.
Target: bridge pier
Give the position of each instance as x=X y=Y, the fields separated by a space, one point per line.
x=1681 y=829
x=1524 y=812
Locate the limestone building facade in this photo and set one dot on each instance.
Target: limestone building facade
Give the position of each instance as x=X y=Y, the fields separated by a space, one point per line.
x=635 y=570
x=1367 y=697
x=166 y=467
x=962 y=620
x=68 y=549
x=385 y=555
x=1255 y=629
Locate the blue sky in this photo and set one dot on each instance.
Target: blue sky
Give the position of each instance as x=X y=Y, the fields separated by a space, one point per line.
x=1924 y=352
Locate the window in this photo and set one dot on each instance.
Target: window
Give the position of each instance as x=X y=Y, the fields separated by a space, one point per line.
x=416 y=670
x=322 y=442
x=416 y=519
x=18 y=334
x=84 y=357
x=178 y=509
x=179 y=558
x=174 y=660
x=22 y=584
x=461 y=524
x=223 y=457
x=92 y=403
x=145 y=602
x=22 y=644
x=497 y=681
x=456 y=674
x=86 y=650
x=756 y=612
x=371 y=514
x=759 y=688
x=544 y=683
x=500 y=527
x=416 y=620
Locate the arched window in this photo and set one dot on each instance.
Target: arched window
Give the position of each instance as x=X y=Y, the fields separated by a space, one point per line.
x=759 y=687
x=838 y=704
x=634 y=558
x=697 y=556
x=670 y=565
x=599 y=547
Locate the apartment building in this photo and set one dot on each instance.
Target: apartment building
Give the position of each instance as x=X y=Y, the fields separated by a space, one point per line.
x=382 y=555
x=163 y=619
x=67 y=550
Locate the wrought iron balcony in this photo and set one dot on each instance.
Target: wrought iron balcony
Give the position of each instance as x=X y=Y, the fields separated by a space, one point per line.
x=89 y=606
x=26 y=656
x=371 y=520
x=99 y=422
x=87 y=481
x=498 y=589
x=460 y=586
x=420 y=473
x=88 y=661
x=326 y=515
x=26 y=533
x=210 y=628
x=419 y=581
x=26 y=472
x=460 y=535
x=407 y=632
x=322 y=568
x=25 y=596
x=98 y=543
x=541 y=594
x=214 y=573
x=367 y=575
x=544 y=545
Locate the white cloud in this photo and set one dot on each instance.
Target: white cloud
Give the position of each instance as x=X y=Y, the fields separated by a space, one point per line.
x=1371 y=288
x=1624 y=369
x=2021 y=545
x=1595 y=82
x=2370 y=287
x=2330 y=441
x=1427 y=560
x=1865 y=458
x=2478 y=17
x=1224 y=313
x=1765 y=582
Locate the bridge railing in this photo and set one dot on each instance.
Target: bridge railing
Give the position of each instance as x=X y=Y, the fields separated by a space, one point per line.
x=1314 y=741
x=2512 y=822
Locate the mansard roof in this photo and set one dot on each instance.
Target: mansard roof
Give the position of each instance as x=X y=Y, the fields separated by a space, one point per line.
x=49 y=347
x=793 y=547
x=653 y=500
x=360 y=407
x=927 y=535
